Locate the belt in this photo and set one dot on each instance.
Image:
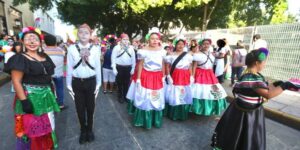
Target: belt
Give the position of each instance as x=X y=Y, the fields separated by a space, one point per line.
x=123 y=65
x=85 y=79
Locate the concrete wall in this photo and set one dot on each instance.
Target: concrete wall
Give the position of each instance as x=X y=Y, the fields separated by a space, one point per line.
x=25 y=13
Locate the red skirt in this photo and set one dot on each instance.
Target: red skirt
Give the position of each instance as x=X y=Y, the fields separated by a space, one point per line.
x=205 y=76
x=181 y=77
x=134 y=76
x=152 y=80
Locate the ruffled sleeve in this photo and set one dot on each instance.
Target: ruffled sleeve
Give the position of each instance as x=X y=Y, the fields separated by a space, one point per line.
x=163 y=52
x=190 y=58
x=168 y=59
x=141 y=54
x=17 y=62
x=197 y=57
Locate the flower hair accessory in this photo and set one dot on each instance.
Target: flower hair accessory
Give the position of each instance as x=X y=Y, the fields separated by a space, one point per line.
x=151 y=31
x=263 y=54
x=30 y=28
x=179 y=38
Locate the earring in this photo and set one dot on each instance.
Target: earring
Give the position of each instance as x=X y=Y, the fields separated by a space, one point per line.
x=24 y=50
x=40 y=50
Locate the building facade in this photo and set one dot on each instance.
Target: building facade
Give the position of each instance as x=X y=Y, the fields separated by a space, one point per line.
x=44 y=21
x=14 y=18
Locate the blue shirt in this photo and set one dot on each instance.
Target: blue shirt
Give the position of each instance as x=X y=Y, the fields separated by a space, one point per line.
x=107 y=58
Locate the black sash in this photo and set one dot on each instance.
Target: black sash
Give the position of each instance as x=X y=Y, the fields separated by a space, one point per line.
x=80 y=61
x=208 y=58
x=175 y=63
x=125 y=51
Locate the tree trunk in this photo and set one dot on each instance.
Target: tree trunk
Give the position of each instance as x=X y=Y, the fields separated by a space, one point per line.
x=204 y=18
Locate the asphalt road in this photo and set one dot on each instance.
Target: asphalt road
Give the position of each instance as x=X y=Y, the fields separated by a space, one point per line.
x=114 y=130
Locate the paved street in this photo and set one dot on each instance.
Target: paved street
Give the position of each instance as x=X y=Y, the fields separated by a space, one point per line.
x=114 y=130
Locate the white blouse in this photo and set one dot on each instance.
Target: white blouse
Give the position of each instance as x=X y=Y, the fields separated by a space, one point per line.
x=184 y=63
x=153 y=59
x=204 y=61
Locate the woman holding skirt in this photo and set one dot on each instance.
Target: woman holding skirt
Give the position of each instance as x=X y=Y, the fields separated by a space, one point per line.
x=149 y=99
x=209 y=97
x=179 y=68
x=242 y=126
x=35 y=103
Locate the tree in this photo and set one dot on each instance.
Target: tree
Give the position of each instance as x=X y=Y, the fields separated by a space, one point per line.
x=137 y=16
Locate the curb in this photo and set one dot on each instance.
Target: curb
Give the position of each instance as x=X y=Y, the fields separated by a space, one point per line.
x=281 y=117
x=4 y=78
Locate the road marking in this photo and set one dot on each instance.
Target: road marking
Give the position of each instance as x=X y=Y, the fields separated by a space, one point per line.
x=124 y=123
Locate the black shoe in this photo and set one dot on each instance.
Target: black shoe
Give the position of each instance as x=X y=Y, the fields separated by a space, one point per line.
x=90 y=136
x=121 y=100
x=83 y=137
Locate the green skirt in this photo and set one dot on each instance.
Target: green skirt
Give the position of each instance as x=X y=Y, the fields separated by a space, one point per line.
x=179 y=112
x=208 y=107
x=130 y=108
x=42 y=99
x=146 y=119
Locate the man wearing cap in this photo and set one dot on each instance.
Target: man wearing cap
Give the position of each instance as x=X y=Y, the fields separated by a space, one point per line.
x=123 y=63
x=84 y=80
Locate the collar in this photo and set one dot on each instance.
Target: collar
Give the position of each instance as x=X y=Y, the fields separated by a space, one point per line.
x=86 y=46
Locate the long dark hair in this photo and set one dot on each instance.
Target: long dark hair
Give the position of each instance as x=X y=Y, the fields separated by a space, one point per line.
x=39 y=51
x=15 y=45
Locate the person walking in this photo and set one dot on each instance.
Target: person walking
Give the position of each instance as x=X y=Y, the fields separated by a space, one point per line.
x=238 y=61
x=123 y=64
x=57 y=55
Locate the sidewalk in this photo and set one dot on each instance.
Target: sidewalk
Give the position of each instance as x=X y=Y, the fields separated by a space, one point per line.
x=284 y=108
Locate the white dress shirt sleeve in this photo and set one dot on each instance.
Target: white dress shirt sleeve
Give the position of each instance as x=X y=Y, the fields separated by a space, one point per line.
x=98 y=67
x=70 y=63
x=113 y=57
x=133 y=61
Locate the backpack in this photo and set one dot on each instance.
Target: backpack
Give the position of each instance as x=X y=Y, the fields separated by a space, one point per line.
x=241 y=57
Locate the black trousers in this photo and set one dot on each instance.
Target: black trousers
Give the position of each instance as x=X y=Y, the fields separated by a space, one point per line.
x=123 y=80
x=220 y=77
x=85 y=101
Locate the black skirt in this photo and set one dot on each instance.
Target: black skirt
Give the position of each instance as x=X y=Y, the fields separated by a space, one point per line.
x=242 y=127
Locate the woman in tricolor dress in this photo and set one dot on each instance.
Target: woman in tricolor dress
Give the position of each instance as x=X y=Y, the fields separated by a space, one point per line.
x=242 y=126
x=132 y=89
x=179 y=70
x=209 y=97
x=35 y=103
x=149 y=99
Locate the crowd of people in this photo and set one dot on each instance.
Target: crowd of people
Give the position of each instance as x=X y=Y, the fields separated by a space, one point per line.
x=174 y=80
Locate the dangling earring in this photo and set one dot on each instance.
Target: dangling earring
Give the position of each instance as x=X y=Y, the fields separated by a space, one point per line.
x=40 y=50
x=24 y=50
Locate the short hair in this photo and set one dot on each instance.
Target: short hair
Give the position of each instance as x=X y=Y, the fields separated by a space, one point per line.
x=254 y=56
x=240 y=44
x=50 y=40
x=15 y=45
x=2 y=36
x=112 y=40
x=256 y=36
x=221 y=43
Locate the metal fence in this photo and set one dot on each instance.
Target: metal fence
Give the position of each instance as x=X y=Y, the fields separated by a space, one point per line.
x=283 y=42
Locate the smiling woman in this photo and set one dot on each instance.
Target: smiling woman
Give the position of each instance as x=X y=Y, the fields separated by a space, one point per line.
x=35 y=103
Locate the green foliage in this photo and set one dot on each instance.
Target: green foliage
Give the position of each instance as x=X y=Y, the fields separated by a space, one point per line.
x=137 y=16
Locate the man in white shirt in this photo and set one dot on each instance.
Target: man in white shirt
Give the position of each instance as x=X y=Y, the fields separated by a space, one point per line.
x=258 y=42
x=84 y=80
x=57 y=55
x=123 y=64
